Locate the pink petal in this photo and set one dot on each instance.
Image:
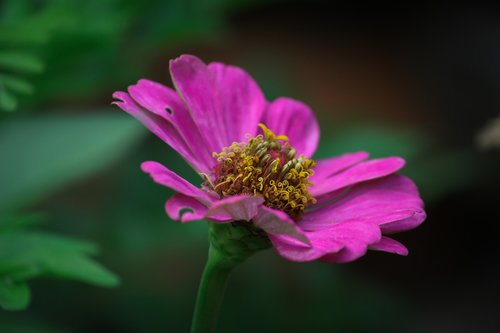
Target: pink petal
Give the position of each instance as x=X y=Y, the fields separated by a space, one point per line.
x=328 y=167
x=352 y=238
x=277 y=222
x=361 y=172
x=179 y=202
x=294 y=250
x=168 y=178
x=390 y=245
x=356 y=239
x=294 y=119
x=241 y=102
x=411 y=222
x=242 y=207
x=386 y=202
x=161 y=128
x=197 y=87
x=165 y=103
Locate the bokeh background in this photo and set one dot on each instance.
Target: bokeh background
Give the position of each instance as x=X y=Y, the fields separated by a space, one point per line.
x=416 y=80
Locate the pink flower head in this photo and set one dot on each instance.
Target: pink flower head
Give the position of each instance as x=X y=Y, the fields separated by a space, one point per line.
x=254 y=158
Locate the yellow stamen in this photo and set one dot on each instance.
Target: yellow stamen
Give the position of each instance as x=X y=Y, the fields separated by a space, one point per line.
x=266 y=165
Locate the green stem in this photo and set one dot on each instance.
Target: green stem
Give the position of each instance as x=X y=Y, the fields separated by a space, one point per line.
x=211 y=291
x=230 y=244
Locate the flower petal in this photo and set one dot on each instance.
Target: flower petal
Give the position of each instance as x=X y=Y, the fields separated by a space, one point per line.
x=196 y=85
x=197 y=210
x=160 y=127
x=356 y=238
x=286 y=116
x=241 y=102
x=361 y=172
x=390 y=245
x=165 y=103
x=239 y=207
x=170 y=179
x=411 y=222
x=386 y=202
x=179 y=202
x=277 y=222
x=294 y=250
x=348 y=238
x=328 y=167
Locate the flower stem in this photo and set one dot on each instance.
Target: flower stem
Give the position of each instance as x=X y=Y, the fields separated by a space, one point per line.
x=211 y=291
x=230 y=244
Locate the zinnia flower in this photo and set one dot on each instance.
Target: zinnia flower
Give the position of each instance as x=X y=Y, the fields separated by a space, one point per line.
x=255 y=162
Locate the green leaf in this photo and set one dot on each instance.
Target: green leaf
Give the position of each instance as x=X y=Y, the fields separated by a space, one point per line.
x=13 y=295
x=7 y=101
x=74 y=266
x=22 y=35
x=25 y=255
x=42 y=154
x=16 y=84
x=14 y=222
x=20 y=61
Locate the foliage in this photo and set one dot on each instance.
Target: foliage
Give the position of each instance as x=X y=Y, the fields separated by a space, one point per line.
x=48 y=49
x=40 y=155
x=26 y=253
x=22 y=36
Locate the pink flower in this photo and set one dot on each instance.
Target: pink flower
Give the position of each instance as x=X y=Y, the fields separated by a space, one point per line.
x=254 y=158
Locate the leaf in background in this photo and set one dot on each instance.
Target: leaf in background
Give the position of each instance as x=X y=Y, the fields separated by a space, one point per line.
x=25 y=255
x=44 y=153
x=13 y=295
x=28 y=254
x=16 y=84
x=8 y=223
x=18 y=64
x=25 y=29
x=8 y=86
x=7 y=100
x=21 y=62
x=82 y=59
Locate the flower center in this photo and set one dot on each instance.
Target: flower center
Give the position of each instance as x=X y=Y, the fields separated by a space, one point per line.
x=265 y=165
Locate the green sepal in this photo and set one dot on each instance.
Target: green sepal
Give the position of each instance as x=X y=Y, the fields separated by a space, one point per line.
x=236 y=241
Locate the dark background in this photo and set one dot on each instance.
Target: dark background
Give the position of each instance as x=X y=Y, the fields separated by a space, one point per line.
x=415 y=80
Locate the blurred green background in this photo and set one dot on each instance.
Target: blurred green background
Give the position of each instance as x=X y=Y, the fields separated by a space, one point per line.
x=416 y=81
